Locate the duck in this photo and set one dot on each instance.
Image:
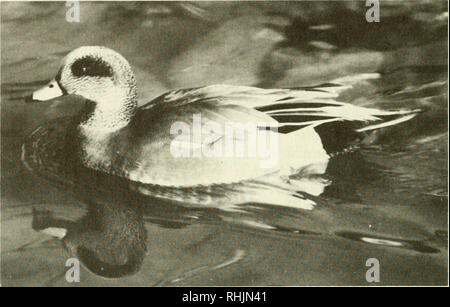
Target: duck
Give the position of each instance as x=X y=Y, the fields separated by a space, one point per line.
x=177 y=146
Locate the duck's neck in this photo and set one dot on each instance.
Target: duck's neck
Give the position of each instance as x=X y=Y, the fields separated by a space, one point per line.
x=97 y=127
x=101 y=119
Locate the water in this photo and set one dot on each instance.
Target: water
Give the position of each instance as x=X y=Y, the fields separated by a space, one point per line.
x=387 y=201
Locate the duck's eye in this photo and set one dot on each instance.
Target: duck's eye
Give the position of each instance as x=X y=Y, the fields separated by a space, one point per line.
x=89 y=66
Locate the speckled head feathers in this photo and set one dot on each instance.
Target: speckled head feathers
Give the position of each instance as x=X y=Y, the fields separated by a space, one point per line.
x=102 y=76
x=98 y=74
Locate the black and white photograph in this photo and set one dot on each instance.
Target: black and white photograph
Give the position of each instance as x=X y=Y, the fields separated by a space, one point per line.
x=210 y=145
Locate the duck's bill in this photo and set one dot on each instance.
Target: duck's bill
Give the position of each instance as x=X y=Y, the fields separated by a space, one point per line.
x=49 y=91
x=56 y=232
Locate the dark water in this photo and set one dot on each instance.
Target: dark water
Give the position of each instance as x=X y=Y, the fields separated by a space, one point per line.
x=387 y=201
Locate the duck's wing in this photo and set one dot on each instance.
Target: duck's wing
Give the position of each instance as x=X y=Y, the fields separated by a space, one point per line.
x=182 y=141
x=296 y=108
x=292 y=108
x=288 y=112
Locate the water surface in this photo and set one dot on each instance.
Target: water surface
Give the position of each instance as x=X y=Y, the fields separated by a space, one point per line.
x=387 y=201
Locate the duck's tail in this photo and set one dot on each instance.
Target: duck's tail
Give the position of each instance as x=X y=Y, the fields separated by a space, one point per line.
x=390 y=118
x=347 y=126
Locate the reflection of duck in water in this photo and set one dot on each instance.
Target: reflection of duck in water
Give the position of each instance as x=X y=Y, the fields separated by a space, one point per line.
x=114 y=136
x=109 y=240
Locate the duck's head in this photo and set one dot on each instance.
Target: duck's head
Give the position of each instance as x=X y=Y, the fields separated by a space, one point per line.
x=101 y=76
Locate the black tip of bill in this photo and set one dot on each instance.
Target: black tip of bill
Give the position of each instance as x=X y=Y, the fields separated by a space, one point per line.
x=29 y=99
